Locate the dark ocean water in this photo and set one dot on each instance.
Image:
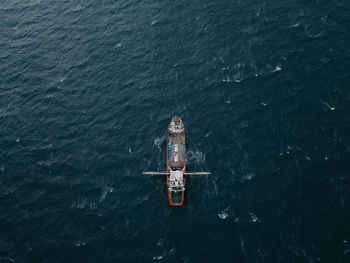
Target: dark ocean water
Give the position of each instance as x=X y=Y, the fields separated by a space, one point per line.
x=87 y=89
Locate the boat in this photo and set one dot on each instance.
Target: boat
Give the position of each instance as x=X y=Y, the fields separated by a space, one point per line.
x=176 y=163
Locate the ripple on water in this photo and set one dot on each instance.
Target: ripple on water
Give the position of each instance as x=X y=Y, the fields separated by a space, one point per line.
x=295 y=25
x=195 y=156
x=159 y=141
x=277 y=68
x=164 y=254
x=105 y=190
x=224 y=213
x=80 y=203
x=253 y=217
x=247 y=177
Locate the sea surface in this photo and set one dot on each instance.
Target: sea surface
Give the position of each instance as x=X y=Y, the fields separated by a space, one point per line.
x=87 y=89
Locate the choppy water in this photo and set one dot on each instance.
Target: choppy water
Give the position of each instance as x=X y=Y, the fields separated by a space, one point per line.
x=87 y=89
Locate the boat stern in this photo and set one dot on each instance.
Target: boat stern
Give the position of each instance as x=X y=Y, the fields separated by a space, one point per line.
x=176 y=199
x=176 y=187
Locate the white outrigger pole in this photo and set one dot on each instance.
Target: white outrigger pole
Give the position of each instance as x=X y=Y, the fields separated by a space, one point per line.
x=185 y=173
x=176 y=179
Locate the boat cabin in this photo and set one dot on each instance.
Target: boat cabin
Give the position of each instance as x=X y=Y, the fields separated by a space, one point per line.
x=176 y=181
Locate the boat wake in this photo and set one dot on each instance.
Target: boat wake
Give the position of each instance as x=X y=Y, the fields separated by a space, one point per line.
x=196 y=157
x=158 y=141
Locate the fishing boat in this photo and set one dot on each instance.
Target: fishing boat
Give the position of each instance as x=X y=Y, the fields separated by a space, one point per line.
x=176 y=163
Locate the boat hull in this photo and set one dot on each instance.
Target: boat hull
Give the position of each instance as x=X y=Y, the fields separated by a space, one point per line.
x=179 y=139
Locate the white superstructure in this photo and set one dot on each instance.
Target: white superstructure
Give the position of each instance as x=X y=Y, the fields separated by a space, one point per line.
x=176 y=181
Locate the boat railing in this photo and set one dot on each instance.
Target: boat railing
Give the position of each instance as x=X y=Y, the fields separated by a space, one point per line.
x=176 y=129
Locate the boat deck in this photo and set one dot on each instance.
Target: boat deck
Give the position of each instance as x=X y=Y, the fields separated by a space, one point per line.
x=176 y=150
